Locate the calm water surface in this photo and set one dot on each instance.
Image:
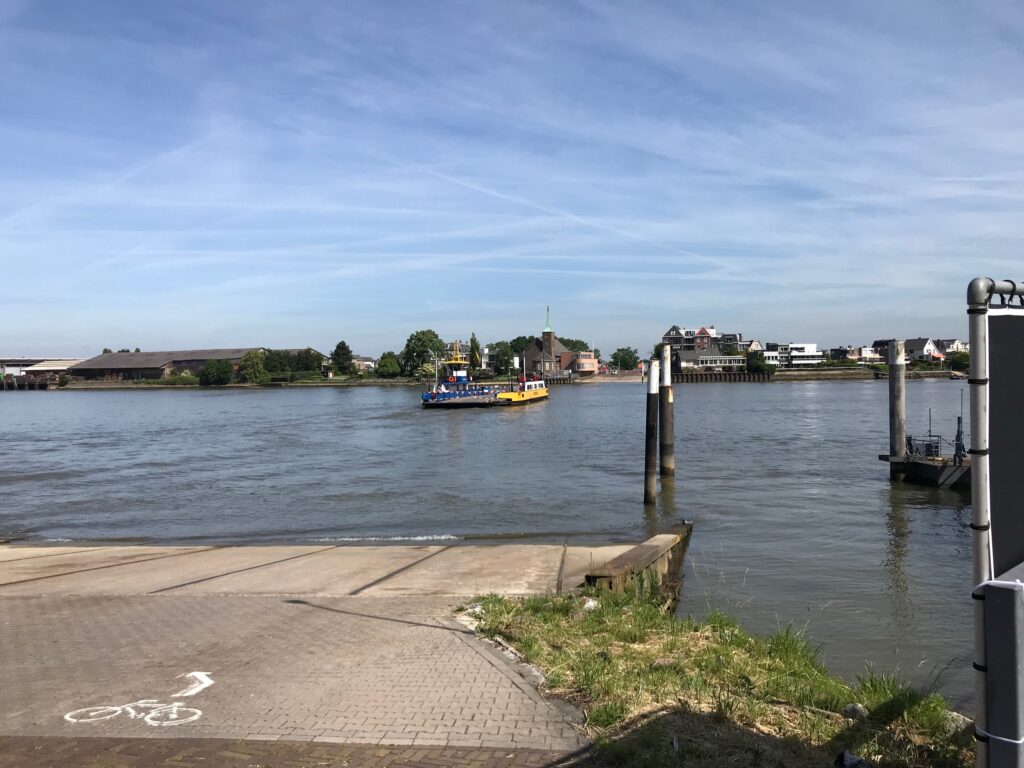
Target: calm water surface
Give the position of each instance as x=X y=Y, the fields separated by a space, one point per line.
x=795 y=519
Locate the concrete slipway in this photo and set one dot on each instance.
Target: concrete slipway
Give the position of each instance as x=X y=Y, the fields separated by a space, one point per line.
x=337 y=644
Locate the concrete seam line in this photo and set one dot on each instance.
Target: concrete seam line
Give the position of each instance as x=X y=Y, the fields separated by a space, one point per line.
x=53 y=554
x=561 y=567
x=397 y=571
x=239 y=570
x=101 y=567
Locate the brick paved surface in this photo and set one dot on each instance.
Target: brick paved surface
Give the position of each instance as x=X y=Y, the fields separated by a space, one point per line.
x=55 y=752
x=326 y=670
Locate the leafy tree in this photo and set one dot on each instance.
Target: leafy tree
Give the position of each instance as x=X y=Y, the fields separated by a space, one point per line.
x=626 y=358
x=756 y=363
x=124 y=350
x=574 y=345
x=342 y=358
x=520 y=343
x=474 y=353
x=425 y=371
x=388 y=366
x=278 y=361
x=137 y=350
x=502 y=356
x=252 y=367
x=308 y=359
x=215 y=373
x=958 y=361
x=597 y=354
x=730 y=349
x=420 y=349
x=107 y=351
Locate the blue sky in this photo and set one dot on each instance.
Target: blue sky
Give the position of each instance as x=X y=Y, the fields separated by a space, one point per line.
x=191 y=174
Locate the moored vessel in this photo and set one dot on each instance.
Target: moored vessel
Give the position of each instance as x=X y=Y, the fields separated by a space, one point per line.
x=525 y=392
x=453 y=387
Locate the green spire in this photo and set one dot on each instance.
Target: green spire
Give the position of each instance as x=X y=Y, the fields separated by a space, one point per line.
x=547 y=327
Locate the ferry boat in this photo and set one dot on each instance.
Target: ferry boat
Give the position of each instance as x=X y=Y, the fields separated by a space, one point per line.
x=454 y=388
x=526 y=392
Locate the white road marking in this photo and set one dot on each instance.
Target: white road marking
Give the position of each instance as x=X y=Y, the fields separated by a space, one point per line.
x=202 y=681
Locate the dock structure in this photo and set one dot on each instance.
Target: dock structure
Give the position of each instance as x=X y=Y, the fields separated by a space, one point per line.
x=921 y=467
x=657 y=561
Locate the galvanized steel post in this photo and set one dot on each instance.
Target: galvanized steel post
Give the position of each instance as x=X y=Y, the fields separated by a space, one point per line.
x=666 y=410
x=651 y=444
x=979 y=293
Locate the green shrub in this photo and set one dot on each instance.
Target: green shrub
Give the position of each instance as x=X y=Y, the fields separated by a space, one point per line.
x=216 y=373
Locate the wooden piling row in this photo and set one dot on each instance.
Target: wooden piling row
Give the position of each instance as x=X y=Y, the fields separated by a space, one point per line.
x=719 y=376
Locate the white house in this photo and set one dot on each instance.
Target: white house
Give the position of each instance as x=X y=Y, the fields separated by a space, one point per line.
x=923 y=349
x=805 y=355
x=952 y=345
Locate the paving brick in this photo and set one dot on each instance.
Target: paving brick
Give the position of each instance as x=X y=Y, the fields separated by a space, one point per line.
x=362 y=669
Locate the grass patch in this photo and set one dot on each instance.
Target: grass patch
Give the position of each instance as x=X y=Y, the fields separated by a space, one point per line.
x=661 y=691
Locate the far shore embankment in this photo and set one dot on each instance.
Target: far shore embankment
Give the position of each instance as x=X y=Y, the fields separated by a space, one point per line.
x=623 y=377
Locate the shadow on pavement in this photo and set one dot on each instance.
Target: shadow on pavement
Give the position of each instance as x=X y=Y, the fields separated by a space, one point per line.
x=680 y=737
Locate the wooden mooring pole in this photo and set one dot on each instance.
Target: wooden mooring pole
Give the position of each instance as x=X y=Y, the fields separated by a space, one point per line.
x=651 y=445
x=897 y=409
x=666 y=410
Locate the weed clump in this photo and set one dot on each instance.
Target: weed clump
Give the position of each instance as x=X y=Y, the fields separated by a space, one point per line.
x=659 y=690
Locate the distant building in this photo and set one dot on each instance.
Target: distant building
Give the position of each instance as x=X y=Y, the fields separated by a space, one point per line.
x=795 y=355
x=805 y=355
x=585 y=363
x=946 y=346
x=858 y=355
x=117 y=366
x=363 y=363
x=923 y=349
x=881 y=348
x=15 y=366
x=546 y=355
x=50 y=368
x=705 y=347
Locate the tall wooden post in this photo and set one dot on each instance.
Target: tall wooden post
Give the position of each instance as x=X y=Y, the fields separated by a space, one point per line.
x=666 y=412
x=651 y=444
x=897 y=409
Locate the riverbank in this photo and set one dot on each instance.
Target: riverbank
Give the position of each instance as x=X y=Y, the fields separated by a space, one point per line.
x=624 y=377
x=660 y=691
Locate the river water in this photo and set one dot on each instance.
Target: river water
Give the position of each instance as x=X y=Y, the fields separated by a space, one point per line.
x=795 y=519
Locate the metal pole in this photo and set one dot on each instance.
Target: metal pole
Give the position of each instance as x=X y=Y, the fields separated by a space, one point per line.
x=651 y=445
x=979 y=293
x=666 y=410
x=897 y=409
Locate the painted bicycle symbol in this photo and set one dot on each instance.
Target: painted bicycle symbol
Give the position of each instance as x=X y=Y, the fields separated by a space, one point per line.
x=151 y=711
